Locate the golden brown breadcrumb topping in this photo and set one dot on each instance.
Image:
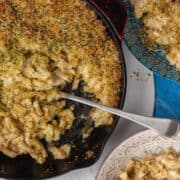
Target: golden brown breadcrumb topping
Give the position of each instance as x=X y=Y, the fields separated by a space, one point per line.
x=44 y=45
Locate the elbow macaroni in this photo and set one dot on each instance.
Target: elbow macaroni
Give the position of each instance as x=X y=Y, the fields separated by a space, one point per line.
x=161 y=21
x=44 y=45
x=163 y=166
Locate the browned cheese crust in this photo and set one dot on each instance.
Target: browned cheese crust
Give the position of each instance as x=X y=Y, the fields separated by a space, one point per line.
x=45 y=44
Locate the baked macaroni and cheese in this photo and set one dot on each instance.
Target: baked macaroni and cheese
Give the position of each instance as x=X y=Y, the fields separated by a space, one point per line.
x=165 y=166
x=44 y=46
x=161 y=26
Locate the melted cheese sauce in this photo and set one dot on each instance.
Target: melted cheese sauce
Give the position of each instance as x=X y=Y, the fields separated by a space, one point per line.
x=161 y=21
x=165 y=166
x=44 y=45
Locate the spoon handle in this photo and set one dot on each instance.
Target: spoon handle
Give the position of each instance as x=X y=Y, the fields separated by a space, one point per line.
x=161 y=125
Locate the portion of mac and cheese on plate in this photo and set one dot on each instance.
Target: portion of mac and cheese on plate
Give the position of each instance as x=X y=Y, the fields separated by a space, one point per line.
x=157 y=167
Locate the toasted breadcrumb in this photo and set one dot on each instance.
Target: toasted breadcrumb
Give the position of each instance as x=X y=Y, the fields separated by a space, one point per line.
x=44 y=45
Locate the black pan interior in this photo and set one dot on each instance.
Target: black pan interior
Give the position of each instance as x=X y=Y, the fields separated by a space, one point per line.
x=24 y=167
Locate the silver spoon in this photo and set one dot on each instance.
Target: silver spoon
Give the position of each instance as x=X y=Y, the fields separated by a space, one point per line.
x=165 y=127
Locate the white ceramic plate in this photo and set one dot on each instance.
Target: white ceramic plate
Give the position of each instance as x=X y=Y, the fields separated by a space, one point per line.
x=137 y=146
